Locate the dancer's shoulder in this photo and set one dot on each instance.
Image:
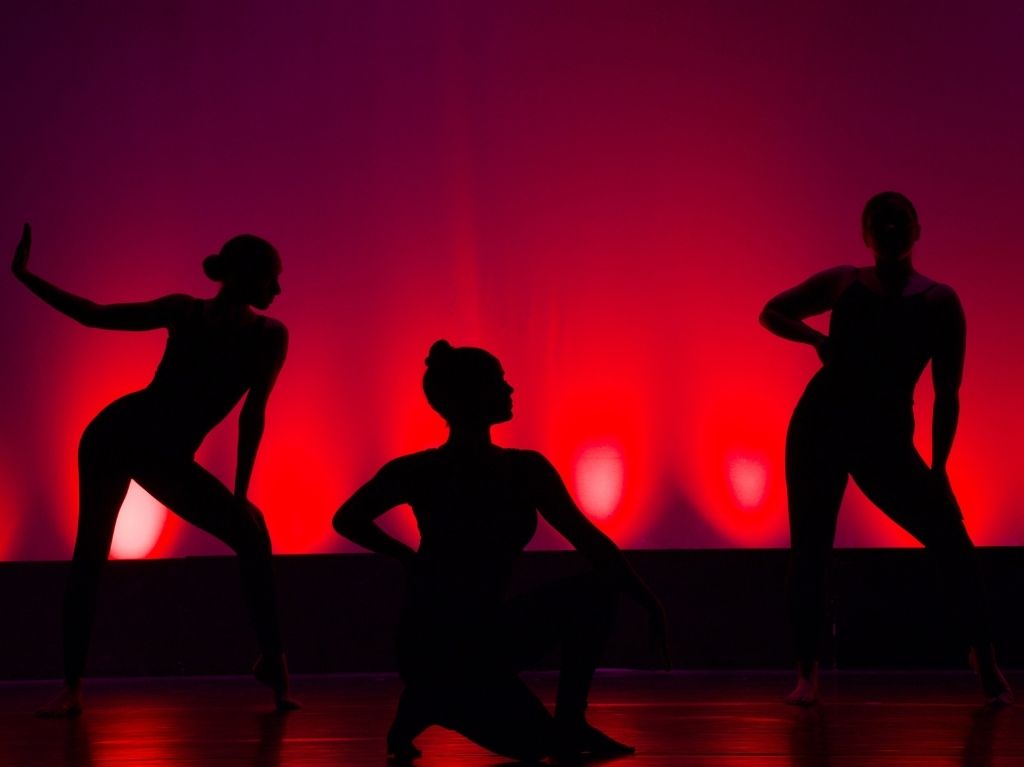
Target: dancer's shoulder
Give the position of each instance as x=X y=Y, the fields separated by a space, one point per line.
x=532 y=462
x=422 y=460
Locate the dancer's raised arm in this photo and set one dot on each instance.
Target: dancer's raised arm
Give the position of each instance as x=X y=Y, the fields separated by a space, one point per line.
x=146 y=315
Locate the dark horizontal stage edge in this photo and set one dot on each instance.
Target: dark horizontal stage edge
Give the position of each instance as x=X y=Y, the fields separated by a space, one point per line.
x=726 y=611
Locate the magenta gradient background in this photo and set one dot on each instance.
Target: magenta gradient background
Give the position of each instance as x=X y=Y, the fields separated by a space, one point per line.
x=604 y=194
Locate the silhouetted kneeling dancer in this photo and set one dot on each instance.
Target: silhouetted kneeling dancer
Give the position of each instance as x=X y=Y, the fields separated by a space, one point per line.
x=218 y=351
x=461 y=639
x=856 y=419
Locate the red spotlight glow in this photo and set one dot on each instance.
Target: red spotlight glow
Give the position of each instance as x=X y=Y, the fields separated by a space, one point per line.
x=294 y=486
x=737 y=455
x=139 y=525
x=748 y=480
x=613 y=255
x=599 y=479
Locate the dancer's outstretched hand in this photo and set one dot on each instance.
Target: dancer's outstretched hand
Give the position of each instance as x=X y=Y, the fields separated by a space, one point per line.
x=19 y=266
x=657 y=633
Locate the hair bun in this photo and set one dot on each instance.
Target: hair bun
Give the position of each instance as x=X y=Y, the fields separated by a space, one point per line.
x=213 y=267
x=439 y=351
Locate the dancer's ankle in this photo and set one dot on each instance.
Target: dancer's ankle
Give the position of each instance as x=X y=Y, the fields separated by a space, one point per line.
x=996 y=689
x=808 y=669
x=272 y=670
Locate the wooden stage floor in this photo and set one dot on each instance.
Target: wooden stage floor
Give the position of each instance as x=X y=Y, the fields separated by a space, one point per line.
x=698 y=719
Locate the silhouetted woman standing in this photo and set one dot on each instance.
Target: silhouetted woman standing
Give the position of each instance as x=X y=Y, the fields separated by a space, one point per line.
x=856 y=419
x=461 y=639
x=218 y=351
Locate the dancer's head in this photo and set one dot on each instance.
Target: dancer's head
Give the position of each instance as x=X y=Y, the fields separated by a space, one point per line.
x=248 y=267
x=466 y=386
x=890 y=227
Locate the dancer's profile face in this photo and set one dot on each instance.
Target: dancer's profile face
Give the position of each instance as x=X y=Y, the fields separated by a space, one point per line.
x=488 y=399
x=259 y=285
x=498 y=396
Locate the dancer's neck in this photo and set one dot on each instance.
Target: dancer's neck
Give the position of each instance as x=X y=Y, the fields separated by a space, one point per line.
x=469 y=439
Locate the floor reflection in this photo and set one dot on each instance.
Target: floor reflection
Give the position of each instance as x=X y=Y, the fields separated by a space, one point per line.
x=694 y=719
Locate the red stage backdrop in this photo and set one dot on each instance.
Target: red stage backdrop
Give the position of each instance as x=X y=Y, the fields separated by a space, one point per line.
x=603 y=194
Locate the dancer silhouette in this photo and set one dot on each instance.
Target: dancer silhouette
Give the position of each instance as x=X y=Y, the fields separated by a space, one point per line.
x=856 y=419
x=218 y=351
x=461 y=640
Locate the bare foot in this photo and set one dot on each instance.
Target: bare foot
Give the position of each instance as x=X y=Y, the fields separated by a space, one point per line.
x=583 y=739
x=273 y=672
x=806 y=691
x=66 y=705
x=993 y=683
